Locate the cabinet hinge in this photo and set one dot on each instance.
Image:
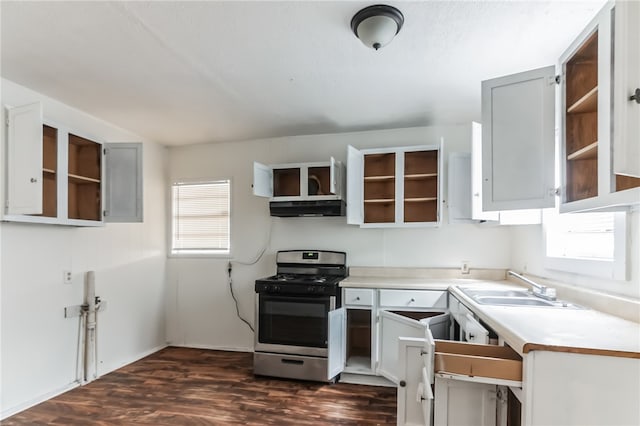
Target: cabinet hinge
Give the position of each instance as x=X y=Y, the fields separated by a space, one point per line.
x=558 y=79
x=104 y=151
x=105 y=213
x=554 y=191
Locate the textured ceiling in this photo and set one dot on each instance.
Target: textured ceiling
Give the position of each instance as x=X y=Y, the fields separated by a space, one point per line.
x=182 y=72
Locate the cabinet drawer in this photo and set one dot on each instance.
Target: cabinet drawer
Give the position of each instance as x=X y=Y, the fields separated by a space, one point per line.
x=358 y=297
x=472 y=361
x=422 y=299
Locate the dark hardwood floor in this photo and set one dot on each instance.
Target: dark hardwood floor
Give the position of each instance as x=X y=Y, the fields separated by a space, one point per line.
x=179 y=386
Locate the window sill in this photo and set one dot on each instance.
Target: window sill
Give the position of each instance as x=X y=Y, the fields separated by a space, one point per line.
x=201 y=255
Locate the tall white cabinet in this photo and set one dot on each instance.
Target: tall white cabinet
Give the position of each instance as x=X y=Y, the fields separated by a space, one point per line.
x=520 y=117
x=58 y=176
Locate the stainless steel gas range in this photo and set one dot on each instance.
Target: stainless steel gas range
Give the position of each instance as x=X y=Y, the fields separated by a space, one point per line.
x=293 y=310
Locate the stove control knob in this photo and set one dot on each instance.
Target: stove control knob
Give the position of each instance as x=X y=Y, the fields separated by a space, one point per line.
x=275 y=287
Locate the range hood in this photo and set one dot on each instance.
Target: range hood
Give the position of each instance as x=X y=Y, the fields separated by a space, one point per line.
x=307 y=208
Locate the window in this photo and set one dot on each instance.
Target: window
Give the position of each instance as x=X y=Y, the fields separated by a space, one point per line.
x=586 y=243
x=200 y=218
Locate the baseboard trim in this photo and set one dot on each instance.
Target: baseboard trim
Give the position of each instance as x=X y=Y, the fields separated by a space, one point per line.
x=35 y=401
x=46 y=396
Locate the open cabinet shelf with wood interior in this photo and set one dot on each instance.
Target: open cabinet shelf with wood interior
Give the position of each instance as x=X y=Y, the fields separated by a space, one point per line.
x=421 y=186
x=55 y=176
x=49 y=171
x=394 y=187
x=379 y=187
x=581 y=118
x=84 y=177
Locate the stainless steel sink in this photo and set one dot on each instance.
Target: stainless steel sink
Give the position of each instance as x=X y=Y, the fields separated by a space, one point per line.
x=512 y=301
x=514 y=298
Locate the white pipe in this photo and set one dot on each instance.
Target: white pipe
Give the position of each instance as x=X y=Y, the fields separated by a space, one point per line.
x=90 y=326
x=82 y=335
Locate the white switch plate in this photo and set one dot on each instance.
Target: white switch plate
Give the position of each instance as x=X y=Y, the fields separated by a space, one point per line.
x=67 y=277
x=464 y=269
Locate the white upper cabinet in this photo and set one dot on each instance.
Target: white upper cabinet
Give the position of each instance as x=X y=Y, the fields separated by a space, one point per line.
x=395 y=187
x=518 y=134
x=518 y=131
x=626 y=135
x=299 y=181
x=24 y=160
x=68 y=182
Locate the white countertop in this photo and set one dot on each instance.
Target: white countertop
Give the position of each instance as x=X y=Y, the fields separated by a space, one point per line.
x=555 y=329
x=525 y=328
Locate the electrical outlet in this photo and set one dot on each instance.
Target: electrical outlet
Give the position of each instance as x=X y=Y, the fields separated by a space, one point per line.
x=464 y=268
x=66 y=277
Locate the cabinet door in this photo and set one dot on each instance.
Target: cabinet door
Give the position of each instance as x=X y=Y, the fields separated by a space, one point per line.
x=24 y=160
x=123 y=182
x=464 y=403
x=336 y=342
x=392 y=327
x=412 y=390
x=477 y=212
x=518 y=140
x=354 y=186
x=334 y=175
x=626 y=134
x=472 y=331
x=459 y=187
x=262 y=180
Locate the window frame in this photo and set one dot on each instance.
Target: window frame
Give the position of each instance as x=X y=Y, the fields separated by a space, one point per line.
x=616 y=269
x=203 y=254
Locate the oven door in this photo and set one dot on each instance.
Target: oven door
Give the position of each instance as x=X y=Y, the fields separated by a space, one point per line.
x=293 y=324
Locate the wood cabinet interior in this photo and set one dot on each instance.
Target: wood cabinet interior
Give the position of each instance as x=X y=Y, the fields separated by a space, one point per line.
x=379 y=188
x=49 y=171
x=421 y=186
x=581 y=131
x=359 y=338
x=514 y=409
x=319 y=181
x=85 y=170
x=626 y=182
x=286 y=182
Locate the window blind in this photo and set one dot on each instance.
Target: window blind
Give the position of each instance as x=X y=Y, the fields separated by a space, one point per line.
x=201 y=217
x=581 y=235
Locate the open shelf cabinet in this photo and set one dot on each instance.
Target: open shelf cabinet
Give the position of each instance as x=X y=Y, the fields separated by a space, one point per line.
x=394 y=186
x=581 y=121
x=63 y=178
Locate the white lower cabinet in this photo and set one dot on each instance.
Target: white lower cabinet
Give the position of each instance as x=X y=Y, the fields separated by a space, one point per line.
x=464 y=403
x=402 y=324
x=460 y=383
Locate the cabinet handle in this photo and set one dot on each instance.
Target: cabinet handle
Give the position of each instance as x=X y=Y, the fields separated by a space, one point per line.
x=357 y=297
x=412 y=300
x=33 y=180
x=635 y=96
x=402 y=383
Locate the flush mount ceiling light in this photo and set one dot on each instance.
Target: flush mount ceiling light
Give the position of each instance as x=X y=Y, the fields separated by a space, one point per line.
x=376 y=25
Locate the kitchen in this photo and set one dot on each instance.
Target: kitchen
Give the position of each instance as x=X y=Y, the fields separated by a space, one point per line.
x=186 y=301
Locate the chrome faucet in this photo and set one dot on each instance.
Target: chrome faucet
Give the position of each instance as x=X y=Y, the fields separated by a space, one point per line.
x=538 y=290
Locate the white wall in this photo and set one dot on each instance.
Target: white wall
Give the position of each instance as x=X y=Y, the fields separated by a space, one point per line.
x=38 y=345
x=528 y=255
x=201 y=311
